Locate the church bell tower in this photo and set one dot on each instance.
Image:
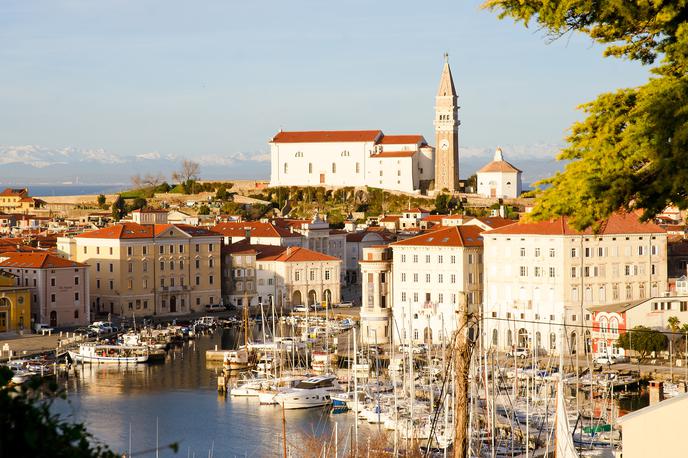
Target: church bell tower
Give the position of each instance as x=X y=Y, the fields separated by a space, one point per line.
x=446 y=133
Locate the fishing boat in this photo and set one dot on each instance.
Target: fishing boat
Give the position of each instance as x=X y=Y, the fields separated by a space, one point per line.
x=236 y=360
x=311 y=392
x=109 y=354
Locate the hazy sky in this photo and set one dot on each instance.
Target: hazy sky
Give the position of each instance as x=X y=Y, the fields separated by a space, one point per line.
x=196 y=78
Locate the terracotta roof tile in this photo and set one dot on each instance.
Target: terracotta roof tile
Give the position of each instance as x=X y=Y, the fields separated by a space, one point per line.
x=255 y=228
x=325 y=136
x=36 y=261
x=455 y=236
x=393 y=154
x=618 y=223
x=402 y=140
x=15 y=192
x=499 y=166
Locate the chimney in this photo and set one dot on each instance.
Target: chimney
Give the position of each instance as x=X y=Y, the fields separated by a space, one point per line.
x=656 y=389
x=247 y=233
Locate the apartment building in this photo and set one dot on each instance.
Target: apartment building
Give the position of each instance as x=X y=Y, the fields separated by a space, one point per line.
x=286 y=275
x=433 y=275
x=543 y=277
x=153 y=269
x=59 y=288
x=376 y=295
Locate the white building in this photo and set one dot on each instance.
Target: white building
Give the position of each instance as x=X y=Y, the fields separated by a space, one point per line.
x=376 y=295
x=432 y=274
x=350 y=158
x=499 y=178
x=542 y=275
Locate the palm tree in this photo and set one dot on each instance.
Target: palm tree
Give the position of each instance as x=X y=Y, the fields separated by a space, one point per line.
x=674 y=325
x=684 y=336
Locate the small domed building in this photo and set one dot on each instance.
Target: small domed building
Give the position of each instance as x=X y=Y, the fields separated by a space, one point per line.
x=499 y=178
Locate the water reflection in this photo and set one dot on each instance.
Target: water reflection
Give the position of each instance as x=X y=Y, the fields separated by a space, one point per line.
x=182 y=395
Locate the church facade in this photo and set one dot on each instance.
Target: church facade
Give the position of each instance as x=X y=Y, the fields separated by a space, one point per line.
x=369 y=157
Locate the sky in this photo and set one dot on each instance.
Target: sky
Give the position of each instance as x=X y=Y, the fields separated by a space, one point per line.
x=102 y=89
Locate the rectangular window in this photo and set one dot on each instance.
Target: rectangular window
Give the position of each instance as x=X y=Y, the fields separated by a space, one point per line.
x=415 y=258
x=427 y=278
x=403 y=258
x=574 y=252
x=162 y=249
x=162 y=282
x=452 y=259
x=130 y=283
x=403 y=276
x=97 y=250
x=130 y=267
x=162 y=265
x=574 y=272
x=427 y=259
x=145 y=252
x=415 y=278
x=523 y=271
x=76 y=297
x=440 y=298
x=537 y=252
x=403 y=296
x=453 y=278
x=145 y=283
x=327 y=275
x=552 y=272
x=97 y=267
x=523 y=251
x=312 y=275
x=52 y=282
x=111 y=267
x=198 y=280
x=112 y=284
x=415 y=297
x=439 y=259
x=440 y=278
x=552 y=252
x=76 y=280
x=52 y=298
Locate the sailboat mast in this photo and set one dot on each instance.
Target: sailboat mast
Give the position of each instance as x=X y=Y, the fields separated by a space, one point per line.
x=245 y=302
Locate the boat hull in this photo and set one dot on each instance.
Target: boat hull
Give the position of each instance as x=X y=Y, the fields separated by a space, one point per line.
x=77 y=357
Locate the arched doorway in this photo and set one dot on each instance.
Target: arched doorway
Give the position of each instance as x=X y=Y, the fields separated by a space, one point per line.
x=588 y=342
x=522 y=338
x=427 y=336
x=53 y=319
x=573 y=343
x=327 y=297
x=538 y=342
x=509 y=338
x=173 y=304
x=5 y=307
x=296 y=298
x=312 y=297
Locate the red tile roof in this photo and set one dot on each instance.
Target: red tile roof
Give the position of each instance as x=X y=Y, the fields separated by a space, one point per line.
x=402 y=140
x=359 y=236
x=36 y=261
x=415 y=210
x=298 y=254
x=142 y=231
x=455 y=236
x=435 y=218
x=324 y=136
x=390 y=219
x=499 y=166
x=15 y=192
x=495 y=221
x=256 y=229
x=393 y=154
x=618 y=223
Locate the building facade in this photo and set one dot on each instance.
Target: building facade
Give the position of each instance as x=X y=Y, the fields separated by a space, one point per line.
x=59 y=287
x=499 y=179
x=433 y=276
x=376 y=295
x=15 y=304
x=156 y=269
x=544 y=276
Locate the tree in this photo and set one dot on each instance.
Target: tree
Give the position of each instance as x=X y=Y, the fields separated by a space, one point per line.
x=29 y=428
x=674 y=325
x=118 y=209
x=442 y=202
x=138 y=203
x=101 y=201
x=187 y=175
x=221 y=193
x=204 y=210
x=643 y=340
x=631 y=151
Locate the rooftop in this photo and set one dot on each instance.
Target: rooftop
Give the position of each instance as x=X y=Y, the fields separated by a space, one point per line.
x=618 y=223
x=325 y=136
x=455 y=236
x=36 y=260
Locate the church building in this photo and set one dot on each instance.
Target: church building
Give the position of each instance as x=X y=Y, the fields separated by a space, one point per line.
x=499 y=178
x=369 y=157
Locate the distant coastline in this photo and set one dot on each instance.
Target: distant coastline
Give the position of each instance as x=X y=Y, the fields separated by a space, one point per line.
x=39 y=190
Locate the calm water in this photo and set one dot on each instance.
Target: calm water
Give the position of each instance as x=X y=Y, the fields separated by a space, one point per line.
x=182 y=395
x=71 y=190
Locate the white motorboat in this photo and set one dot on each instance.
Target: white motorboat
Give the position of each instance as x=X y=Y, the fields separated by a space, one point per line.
x=235 y=360
x=109 y=354
x=311 y=392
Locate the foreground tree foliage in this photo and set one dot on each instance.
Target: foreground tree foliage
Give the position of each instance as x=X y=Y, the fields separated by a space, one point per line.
x=643 y=340
x=28 y=428
x=631 y=151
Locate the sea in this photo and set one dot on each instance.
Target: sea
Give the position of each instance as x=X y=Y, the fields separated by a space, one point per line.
x=144 y=408
x=37 y=190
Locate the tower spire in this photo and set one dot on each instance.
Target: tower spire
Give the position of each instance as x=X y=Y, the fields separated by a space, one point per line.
x=446 y=132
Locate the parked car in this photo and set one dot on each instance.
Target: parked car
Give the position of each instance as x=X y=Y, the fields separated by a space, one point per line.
x=604 y=359
x=215 y=308
x=300 y=308
x=519 y=352
x=103 y=327
x=416 y=349
x=41 y=328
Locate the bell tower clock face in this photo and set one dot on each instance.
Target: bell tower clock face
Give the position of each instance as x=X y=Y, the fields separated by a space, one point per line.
x=444 y=145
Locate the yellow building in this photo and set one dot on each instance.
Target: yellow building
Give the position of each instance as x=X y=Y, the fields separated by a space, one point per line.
x=15 y=304
x=149 y=269
x=14 y=200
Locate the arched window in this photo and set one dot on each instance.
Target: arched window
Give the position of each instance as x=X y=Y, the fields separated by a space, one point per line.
x=603 y=325
x=614 y=325
x=588 y=294
x=495 y=337
x=509 y=338
x=629 y=292
x=552 y=341
x=602 y=294
x=310 y=167
x=641 y=290
x=285 y=167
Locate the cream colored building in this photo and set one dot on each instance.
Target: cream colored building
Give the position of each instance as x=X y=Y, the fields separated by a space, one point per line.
x=499 y=178
x=156 y=269
x=17 y=200
x=433 y=274
x=542 y=275
x=59 y=287
x=287 y=276
x=655 y=430
x=376 y=295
